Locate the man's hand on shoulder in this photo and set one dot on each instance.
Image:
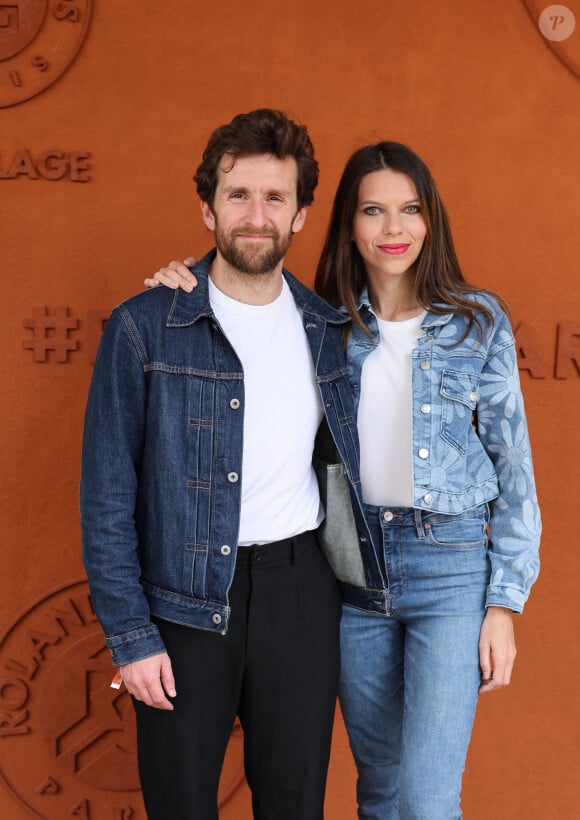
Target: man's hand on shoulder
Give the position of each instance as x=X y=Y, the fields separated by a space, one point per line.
x=175 y=275
x=149 y=680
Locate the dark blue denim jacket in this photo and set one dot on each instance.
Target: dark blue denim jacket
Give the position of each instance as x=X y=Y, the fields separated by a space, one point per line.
x=162 y=460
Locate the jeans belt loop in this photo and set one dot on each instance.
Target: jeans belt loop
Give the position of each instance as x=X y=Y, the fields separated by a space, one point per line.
x=419 y=523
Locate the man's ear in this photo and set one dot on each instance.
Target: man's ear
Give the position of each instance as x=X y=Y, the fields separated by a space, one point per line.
x=299 y=219
x=208 y=216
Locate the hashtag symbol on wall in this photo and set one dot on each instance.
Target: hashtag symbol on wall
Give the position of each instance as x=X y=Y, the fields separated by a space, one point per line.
x=50 y=331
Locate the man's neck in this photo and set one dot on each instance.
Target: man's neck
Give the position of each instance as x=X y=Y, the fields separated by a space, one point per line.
x=249 y=288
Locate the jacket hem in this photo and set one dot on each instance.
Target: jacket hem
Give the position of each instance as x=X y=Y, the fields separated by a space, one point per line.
x=448 y=503
x=185 y=610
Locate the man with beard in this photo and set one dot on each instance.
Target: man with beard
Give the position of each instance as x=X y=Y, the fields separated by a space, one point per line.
x=199 y=501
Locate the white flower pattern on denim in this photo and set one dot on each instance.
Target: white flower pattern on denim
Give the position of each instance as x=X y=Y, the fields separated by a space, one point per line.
x=513 y=466
x=500 y=386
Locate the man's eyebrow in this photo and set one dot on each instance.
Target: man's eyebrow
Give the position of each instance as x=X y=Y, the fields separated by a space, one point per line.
x=228 y=189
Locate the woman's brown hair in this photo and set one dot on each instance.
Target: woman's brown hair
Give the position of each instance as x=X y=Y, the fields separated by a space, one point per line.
x=440 y=286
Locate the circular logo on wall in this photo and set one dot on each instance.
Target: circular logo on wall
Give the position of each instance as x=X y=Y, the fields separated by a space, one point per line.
x=67 y=739
x=39 y=39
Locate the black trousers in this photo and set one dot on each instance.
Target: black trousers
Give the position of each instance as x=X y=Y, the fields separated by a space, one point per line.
x=277 y=668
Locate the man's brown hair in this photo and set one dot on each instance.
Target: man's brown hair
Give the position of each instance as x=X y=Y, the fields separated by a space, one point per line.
x=264 y=131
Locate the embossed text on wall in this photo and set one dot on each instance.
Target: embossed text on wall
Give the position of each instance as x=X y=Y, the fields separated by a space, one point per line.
x=52 y=164
x=67 y=739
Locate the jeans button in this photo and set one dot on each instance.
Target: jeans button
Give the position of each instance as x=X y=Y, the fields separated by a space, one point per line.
x=388 y=516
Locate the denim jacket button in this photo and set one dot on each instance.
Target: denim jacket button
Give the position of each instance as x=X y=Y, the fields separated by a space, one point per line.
x=216 y=618
x=425 y=365
x=473 y=396
x=234 y=404
x=225 y=550
x=423 y=452
x=425 y=408
x=233 y=477
x=428 y=499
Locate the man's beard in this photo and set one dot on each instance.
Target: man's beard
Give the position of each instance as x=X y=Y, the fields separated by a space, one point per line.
x=250 y=257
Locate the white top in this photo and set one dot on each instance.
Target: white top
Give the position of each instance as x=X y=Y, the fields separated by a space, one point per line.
x=385 y=415
x=282 y=413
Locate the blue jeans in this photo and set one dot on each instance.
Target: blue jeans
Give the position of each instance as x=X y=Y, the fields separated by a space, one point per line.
x=410 y=681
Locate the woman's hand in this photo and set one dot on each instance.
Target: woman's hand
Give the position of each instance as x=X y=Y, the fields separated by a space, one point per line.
x=176 y=275
x=497 y=648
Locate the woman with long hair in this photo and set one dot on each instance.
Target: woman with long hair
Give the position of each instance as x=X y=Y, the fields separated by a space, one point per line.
x=447 y=482
x=447 y=485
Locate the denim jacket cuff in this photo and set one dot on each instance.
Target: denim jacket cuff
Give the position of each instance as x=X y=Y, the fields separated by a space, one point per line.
x=136 y=645
x=510 y=597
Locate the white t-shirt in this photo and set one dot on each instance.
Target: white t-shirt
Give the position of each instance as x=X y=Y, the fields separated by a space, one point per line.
x=385 y=415
x=282 y=414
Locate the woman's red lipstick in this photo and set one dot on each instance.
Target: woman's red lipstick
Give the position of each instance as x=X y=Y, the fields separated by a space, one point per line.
x=394 y=250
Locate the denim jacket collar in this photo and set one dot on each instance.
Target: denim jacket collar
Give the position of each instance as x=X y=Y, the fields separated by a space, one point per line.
x=431 y=320
x=187 y=308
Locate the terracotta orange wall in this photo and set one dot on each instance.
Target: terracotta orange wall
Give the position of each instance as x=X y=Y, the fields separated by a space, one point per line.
x=474 y=88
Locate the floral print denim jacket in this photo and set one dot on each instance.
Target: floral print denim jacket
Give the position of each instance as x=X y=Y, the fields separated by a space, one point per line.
x=457 y=464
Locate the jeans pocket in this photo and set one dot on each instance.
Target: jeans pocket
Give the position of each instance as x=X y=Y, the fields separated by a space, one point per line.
x=456 y=532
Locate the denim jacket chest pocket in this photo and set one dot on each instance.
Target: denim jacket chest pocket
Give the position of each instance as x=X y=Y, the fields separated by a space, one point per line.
x=459 y=392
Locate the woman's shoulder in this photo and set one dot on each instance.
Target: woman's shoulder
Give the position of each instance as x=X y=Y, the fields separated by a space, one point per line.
x=487 y=299
x=485 y=302
x=486 y=321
